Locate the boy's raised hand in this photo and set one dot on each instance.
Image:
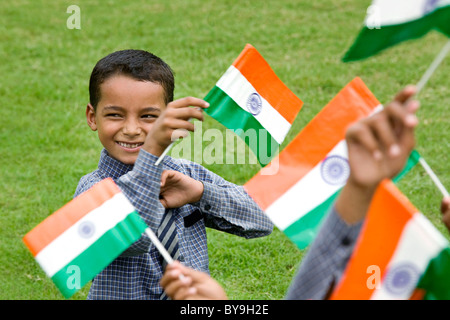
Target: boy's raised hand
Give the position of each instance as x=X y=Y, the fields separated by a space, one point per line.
x=378 y=148
x=379 y=145
x=178 y=189
x=173 y=123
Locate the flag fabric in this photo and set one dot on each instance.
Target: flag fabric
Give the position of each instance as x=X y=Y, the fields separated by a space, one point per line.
x=80 y=239
x=313 y=167
x=398 y=255
x=389 y=22
x=251 y=100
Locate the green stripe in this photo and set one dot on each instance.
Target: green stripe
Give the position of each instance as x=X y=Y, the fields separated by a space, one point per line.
x=303 y=231
x=99 y=255
x=436 y=279
x=372 y=41
x=226 y=111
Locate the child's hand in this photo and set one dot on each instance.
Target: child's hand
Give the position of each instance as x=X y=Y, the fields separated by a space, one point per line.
x=178 y=189
x=173 y=123
x=378 y=148
x=445 y=209
x=379 y=145
x=194 y=285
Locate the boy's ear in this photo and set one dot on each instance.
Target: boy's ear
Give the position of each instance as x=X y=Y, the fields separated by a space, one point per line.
x=90 y=117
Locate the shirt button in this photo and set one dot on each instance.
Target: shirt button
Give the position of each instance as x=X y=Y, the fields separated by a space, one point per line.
x=345 y=241
x=207 y=207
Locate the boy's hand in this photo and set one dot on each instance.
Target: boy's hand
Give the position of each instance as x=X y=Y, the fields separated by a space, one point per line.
x=194 y=285
x=378 y=147
x=173 y=123
x=178 y=189
x=445 y=209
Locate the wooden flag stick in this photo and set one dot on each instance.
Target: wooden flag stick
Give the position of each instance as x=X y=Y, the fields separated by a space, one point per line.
x=432 y=68
x=159 y=245
x=433 y=177
x=426 y=76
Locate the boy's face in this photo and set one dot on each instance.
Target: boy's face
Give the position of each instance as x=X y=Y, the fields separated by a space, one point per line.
x=125 y=114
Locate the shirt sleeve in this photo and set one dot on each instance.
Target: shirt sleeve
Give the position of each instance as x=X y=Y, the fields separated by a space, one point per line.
x=142 y=186
x=227 y=207
x=325 y=260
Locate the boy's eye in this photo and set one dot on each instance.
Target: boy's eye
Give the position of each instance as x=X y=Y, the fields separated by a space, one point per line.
x=113 y=115
x=149 y=116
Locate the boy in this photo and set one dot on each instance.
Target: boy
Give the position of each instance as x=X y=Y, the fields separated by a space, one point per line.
x=131 y=107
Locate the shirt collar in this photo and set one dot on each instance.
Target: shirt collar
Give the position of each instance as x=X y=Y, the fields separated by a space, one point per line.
x=111 y=167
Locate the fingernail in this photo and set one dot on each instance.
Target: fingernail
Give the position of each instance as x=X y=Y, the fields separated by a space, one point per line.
x=394 y=150
x=411 y=119
x=377 y=155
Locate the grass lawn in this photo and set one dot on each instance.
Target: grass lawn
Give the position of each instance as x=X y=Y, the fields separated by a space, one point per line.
x=46 y=145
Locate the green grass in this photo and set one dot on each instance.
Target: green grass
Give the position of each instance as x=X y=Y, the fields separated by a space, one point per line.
x=46 y=145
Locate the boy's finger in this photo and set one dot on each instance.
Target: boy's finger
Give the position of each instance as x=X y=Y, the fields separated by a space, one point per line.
x=189 y=102
x=401 y=116
x=383 y=132
x=361 y=135
x=185 y=113
x=445 y=205
x=405 y=94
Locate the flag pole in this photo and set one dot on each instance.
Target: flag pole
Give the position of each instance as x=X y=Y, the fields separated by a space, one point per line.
x=160 y=248
x=163 y=154
x=433 y=177
x=432 y=68
x=423 y=81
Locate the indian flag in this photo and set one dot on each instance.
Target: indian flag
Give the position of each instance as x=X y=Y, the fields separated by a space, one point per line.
x=389 y=22
x=399 y=254
x=313 y=167
x=79 y=240
x=252 y=101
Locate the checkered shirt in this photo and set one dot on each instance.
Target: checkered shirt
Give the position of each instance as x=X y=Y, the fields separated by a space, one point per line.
x=224 y=206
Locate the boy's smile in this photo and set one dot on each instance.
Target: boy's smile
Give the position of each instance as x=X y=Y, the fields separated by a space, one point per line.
x=125 y=114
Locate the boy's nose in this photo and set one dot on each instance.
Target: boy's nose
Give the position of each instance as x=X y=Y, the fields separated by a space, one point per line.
x=132 y=128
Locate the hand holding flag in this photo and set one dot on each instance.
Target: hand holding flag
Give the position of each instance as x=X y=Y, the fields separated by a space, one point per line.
x=378 y=148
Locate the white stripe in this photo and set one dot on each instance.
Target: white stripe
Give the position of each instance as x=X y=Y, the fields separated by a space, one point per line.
x=392 y=12
x=309 y=192
x=238 y=88
x=70 y=244
x=419 y=243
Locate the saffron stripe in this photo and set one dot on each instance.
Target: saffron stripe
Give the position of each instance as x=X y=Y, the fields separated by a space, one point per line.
x=259 y=73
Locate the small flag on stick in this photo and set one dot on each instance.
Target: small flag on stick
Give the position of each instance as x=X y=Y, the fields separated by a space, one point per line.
x=79 y=240
x=250 y=96
x=398 y=255
x=389 y=22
